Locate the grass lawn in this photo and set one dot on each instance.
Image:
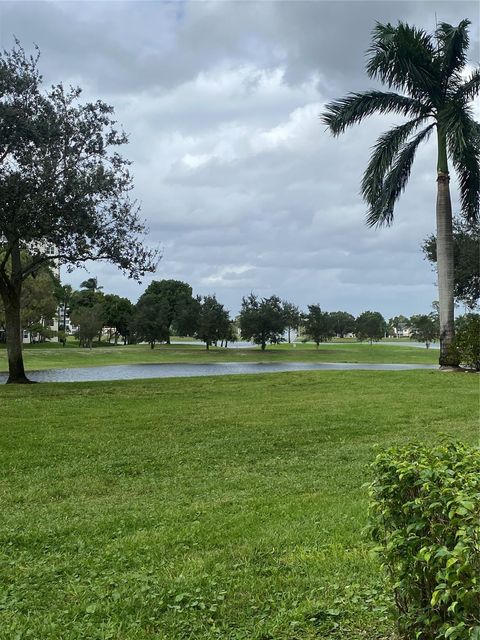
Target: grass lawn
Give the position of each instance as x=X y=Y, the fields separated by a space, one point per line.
x=53 y=356
x=203 y=508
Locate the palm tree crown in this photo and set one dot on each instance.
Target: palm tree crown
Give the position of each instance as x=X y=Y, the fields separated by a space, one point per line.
x=428 y=71
x=425 y=76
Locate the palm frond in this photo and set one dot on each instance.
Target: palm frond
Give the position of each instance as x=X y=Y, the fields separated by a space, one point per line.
x=383 y=156
x=352 y=109
x=469 y=89
x=381 y=209
x=404 y=57
x=463 y=140
x=453 y=46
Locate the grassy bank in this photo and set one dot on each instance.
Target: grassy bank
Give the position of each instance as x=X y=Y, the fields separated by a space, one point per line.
x=54 y=356
x=205 y=508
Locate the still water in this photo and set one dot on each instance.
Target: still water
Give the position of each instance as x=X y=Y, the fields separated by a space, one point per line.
x=133 y=371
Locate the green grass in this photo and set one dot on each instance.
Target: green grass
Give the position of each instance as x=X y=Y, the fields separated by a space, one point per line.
x=206 y=508
x=54 y=356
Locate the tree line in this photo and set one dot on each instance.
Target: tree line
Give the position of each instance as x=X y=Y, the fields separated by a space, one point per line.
x=169 y=308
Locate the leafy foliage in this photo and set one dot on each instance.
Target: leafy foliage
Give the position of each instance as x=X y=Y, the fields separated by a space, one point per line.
x=214 y=321
x=89 y=321
x=370 y=325
x=318 y=325
x=425 y=328
x=428 y=72
x=262 y=320
x=293 y=317
x=342 y=323
x=424 y=515
x=468 y=340
x=466 y=248
x=151 y=321
x=179 y=305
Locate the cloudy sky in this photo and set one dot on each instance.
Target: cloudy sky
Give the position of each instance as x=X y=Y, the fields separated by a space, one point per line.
x=242 y=187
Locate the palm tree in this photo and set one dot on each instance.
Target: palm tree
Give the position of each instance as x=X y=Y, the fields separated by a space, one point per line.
x=428 y=70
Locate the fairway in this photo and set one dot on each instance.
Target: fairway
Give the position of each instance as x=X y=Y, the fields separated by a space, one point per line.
x=205 y=508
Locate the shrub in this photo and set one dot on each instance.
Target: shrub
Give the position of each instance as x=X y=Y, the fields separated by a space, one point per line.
x=468 y=340
x=425 y=517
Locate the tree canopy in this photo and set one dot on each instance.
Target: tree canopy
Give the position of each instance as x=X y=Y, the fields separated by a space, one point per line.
x=262 y=320
x=370 y=325
x=318 y=325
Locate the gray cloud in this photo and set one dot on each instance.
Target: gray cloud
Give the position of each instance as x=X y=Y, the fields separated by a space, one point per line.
x=240 y=184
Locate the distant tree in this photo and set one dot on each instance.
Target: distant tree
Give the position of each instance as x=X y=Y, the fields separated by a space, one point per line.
x=229 y=334
x=396 y=324
x=370 y=325
x=466 y=251
x=425 y=75
x=342 y=323
x=151 y=320
x=118 y=314
x=180 y=306
x=186 y=316
x=63 y=185
x=318 y=324
x=86 y=296
x=64 y=295
x=425 y=328
x=293 y=317
x=89 y=321
x=38 y=305
x=262 y=320
x=91 y=284
x=213 y=322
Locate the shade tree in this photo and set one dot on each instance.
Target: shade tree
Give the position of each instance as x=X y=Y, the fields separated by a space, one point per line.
x=318 y=325
x=180 y=306
x=424 y=328
x=63 y=185
x=213 y=321
x=151 y=319
x=262 y=320
x=117 y=313
x=370 y=325
x=342 y=323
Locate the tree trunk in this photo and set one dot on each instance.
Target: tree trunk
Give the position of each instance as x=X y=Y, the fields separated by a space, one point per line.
x=448 y=353
x=64 y=323
x=13 y=332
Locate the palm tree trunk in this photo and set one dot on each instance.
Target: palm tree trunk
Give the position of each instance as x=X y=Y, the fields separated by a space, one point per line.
x=445 y=264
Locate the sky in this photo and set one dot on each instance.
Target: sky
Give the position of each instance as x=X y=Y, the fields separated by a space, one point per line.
x=242 y=187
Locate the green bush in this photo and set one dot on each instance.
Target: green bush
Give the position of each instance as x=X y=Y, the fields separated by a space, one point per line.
x=468 y=340
x=425 y=518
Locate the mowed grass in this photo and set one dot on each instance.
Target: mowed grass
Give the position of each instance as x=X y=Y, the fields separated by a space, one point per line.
x=54 y=356
x=229 y=507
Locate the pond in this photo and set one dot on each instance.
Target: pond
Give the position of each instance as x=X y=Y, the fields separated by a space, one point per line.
x=134 y=371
